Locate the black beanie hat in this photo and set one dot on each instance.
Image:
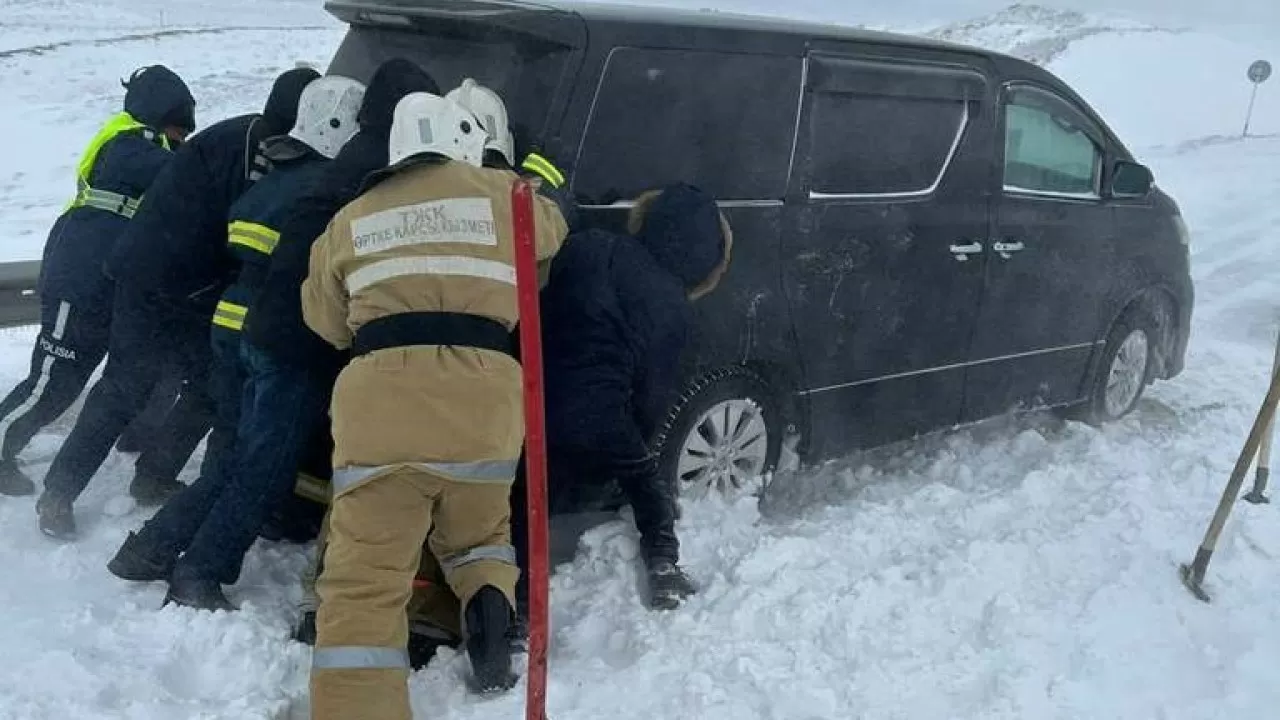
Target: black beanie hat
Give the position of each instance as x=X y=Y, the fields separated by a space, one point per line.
x=281 y=110
x=155 y=96
x=392 y=80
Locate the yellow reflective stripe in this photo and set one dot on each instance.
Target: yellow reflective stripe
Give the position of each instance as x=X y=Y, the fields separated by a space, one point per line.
x=253 y=236
x=538 y=164
x=230 y=315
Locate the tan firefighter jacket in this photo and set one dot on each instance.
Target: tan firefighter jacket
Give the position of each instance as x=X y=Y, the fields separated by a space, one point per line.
x=434 y=236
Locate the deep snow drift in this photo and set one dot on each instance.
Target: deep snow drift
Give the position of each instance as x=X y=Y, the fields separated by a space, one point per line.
x=1019 y=570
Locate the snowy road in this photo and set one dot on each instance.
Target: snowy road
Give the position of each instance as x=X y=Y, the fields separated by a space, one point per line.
x=1007 y=572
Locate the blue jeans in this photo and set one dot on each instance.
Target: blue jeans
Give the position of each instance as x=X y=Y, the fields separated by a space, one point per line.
x=279 y=409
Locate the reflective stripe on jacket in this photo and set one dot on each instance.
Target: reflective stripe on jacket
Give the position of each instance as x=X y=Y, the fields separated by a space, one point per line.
x=89 y=196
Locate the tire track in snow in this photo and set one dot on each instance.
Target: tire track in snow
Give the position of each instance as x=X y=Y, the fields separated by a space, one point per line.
x=37 y=50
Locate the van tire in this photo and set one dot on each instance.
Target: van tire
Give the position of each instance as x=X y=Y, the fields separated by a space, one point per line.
x=1127 y=366
x=749 y=403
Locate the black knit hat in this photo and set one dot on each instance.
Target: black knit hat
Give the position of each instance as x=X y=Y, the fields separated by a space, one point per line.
x=155 y=96
x=392 y=80
x=281 y=110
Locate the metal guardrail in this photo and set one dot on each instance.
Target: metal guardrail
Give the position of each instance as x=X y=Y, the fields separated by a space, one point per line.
x=19 y=304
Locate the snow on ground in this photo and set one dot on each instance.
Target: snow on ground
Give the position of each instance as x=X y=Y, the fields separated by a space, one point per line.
x=1022 y=569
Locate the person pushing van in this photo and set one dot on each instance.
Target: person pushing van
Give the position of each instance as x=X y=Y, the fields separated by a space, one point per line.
x=416 y=277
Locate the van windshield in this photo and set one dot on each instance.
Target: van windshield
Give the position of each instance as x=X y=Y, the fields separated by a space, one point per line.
x=523 y=69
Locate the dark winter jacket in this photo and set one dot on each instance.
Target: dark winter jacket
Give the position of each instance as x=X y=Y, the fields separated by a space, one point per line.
x=133 y=154
x=176 y=246
x=254 y=223
x=616 y=316
x=276 y=324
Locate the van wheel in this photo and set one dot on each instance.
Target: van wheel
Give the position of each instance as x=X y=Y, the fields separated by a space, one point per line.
x=1126 y=368
x=723 y=433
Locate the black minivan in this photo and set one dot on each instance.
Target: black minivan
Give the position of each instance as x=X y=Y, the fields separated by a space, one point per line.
x=926 y=234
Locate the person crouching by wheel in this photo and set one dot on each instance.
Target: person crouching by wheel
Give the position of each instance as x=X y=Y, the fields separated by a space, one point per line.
x=616 y=316
x=416 y=276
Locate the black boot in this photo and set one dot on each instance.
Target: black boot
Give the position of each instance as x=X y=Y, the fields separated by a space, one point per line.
x=518 y=634
x=13 y=482
x=56 y=517
x=424 y=640
x=138 y=562
x=305 y=632
x=195 y=591
x=488 y=622
x=668 y=585
x=149 y=491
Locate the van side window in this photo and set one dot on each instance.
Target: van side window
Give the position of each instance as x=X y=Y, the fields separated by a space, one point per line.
x=722 y=121
x=880 y=129
x=1048 y=148
x=865 y=145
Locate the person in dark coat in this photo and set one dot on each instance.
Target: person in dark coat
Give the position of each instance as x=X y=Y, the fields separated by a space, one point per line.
x=616 y=315
x=116 y=169
x=169 y=268
x=272 y=409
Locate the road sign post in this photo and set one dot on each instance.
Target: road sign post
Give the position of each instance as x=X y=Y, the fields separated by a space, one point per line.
x=1259 y=72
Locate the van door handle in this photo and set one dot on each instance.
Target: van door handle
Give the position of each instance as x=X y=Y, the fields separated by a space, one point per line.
x=962 y=252
x=1006 y=250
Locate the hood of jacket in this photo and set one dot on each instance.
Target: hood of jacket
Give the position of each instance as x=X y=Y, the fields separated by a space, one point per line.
x=156 y=97
x=281 y=110
x=392 y=80
x=681 y=226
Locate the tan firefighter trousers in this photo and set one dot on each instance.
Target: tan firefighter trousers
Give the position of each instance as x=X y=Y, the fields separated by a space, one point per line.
x=433 y=602
x=374 y=550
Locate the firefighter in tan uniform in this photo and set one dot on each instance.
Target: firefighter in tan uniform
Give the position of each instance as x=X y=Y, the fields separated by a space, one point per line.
x=417 y=277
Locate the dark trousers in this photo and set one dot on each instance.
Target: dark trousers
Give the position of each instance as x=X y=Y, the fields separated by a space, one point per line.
x=178 y=432
x=71 y=343
x=216 y=520
x=576 y=473
x=147 y=334
x=146 y=426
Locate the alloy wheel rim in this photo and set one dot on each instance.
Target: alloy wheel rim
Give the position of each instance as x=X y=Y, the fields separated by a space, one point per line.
x=1128 y=371
x=726 y=448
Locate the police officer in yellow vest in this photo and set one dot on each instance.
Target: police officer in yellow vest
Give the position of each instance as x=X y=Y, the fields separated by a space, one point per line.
x=416 y=276
x=75 y=296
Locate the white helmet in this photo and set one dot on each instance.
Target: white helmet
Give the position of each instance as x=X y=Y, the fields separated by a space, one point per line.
x=426 y=123
x=327 y=112
x=489 y=109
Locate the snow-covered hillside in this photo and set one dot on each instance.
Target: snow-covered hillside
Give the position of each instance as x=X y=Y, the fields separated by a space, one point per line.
x=1154 y=84
x=1013 y=571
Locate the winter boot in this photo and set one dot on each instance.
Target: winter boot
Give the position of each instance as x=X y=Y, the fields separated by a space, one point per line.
x=305 y=632
x=424 y=640
x=137 y=562
x=668 y=585
x=56 y=517
x=518 y=634
x=488 y=622
x=13 y=482
x=149 y=491
x=194 y=591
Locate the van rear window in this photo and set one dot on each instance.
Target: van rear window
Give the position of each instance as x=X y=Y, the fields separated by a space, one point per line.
x=524 y=70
